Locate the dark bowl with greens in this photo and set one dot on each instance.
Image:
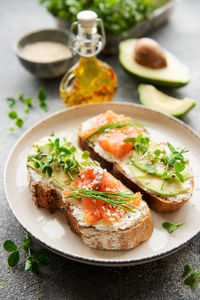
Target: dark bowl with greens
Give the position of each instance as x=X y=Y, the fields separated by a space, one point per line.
x=50 y=69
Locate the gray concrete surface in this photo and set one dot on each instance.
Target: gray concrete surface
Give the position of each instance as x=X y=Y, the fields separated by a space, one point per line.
x=66 y=279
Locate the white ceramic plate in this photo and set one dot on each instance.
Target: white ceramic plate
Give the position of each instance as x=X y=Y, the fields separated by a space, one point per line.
x=52 y=231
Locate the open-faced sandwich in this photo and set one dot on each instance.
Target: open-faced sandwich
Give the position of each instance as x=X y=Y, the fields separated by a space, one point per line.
x=159 y=171
x=97 y=206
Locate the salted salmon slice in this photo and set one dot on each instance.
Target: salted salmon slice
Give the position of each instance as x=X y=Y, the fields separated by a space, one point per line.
x=105 y=118
x=114 y=143
x=94 y=210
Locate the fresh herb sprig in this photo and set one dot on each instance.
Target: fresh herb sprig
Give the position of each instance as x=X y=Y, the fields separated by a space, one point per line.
x=39 y=257
x=119 y=16
x=62 y=155
x=42 y=99
x=28 y=102
x=170 y=227
x=121 y=200
x=176 y=161
x=140 y=143
x=112 y=126
x=14 y=116
x=190 y=276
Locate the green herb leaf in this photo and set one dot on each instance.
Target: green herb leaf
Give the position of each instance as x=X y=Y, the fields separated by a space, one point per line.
x=85 y=155
x=28 y=101
x=9 y=246
x=32 y=261
x=34 y=267
x=171 y=148
x=49 y=171
x=140 y=143
x=13 y=115
x=121 y=200
x=111 y=126
x=170 y=227
x=190 y=276
x=19 y=122
x=13 y=259
x=42 y=94
x=187 y=270
x=191 y=280
x=157 y=152
x=41 y=256
x=180 y=176
x=65 y=150
x=44 y=106
x=28 y=264
x=12 y=101
x=21 y=97
x=179 y=166
x=57 y=142
x=11 y=129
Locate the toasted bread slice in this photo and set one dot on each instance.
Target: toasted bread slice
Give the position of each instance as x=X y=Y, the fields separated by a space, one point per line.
x=127 y=233
x=155 y=201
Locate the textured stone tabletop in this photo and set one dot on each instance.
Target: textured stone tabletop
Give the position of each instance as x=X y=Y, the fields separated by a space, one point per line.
x=66 y=279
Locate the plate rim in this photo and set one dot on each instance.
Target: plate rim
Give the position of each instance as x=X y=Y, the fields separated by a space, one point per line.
x=94 y=261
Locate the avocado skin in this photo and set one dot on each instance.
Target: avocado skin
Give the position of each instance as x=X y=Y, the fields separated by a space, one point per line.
x=162 y=83
x=178 y=115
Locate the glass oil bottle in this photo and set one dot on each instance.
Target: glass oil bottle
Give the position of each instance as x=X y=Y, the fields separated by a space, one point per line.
x=90 y=80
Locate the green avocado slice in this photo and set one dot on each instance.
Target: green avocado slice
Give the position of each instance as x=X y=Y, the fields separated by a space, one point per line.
x=153 y=98
x=153 y=169
x=153 y=183
x=175 y=74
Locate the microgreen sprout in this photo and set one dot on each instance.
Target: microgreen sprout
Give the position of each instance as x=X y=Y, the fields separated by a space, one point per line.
x=190 y=276
x=33 y=260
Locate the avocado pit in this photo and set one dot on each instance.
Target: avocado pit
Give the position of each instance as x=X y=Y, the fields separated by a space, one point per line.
x=149 y=54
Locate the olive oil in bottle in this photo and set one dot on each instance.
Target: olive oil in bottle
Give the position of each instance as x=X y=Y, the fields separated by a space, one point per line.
x=90 y=80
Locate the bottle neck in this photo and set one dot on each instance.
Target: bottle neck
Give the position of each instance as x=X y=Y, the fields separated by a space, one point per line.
x=87 y=41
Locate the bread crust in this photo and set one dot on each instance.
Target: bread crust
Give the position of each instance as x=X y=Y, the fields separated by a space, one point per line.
x=112 y=240
x=44 y=195
x=49 y=197
x=156 y=202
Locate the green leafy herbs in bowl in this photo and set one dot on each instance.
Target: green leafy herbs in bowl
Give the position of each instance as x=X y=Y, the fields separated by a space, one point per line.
x=118 y=16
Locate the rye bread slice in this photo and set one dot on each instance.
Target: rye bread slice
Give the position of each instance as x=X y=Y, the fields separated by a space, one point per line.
x=156 y=202
x=48 y=196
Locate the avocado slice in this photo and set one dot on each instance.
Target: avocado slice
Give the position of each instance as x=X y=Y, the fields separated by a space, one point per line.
x=151 y=97
x=152 y=168
x=175 y=74
x=153 y=183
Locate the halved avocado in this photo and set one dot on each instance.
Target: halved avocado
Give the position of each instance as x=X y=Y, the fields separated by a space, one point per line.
x=151 y=97
x=175 y=74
